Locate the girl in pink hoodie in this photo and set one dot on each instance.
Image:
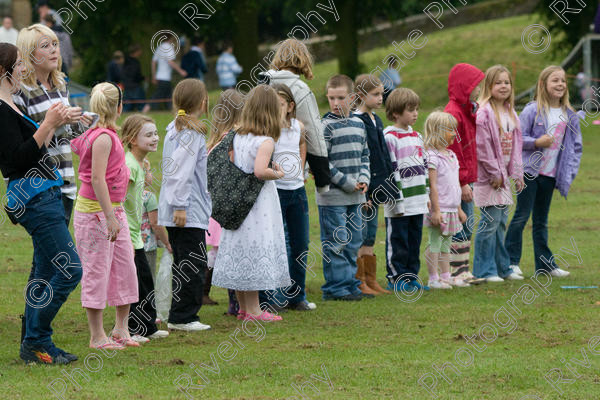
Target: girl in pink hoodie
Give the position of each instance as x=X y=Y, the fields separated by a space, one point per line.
x=499 y=144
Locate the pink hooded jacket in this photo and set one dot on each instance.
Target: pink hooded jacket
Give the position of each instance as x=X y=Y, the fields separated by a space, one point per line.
x=490 y=162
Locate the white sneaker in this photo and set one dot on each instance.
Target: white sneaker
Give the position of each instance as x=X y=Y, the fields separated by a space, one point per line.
x=516 y=269
x=559 y=273
x=159 y=335
x=438 y=284
x=312 y=306
x=456 y=281
x=140 y=339
x=514 y=277
x=190 y=326
x=494 y=279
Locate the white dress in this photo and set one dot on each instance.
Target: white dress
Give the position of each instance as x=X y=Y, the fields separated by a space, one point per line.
x=253 y=257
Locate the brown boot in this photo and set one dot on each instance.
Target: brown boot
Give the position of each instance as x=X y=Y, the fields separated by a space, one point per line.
x=360 y=275
x=370 y=263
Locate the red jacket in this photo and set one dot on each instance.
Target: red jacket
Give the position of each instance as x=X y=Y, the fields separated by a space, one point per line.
x=463 y=78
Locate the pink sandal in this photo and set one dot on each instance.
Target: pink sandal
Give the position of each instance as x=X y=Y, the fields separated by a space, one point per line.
x=126 y=342
x=241 y=314
x=108 y=345
x=264 y=316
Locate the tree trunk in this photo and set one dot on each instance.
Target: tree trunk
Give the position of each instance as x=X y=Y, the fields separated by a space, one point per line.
x=346 y=41
x=245 y=35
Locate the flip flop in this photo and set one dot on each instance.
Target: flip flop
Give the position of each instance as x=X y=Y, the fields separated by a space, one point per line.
x=126 y=342
x=108 y=345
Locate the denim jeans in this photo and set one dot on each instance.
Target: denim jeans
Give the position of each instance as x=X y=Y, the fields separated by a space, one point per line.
x=294 y=210
x=57 y=269
x=403 y=247
x=369 y=231
x=491 y=257
x=68 y=205
x=536 y=198
x=341 y=237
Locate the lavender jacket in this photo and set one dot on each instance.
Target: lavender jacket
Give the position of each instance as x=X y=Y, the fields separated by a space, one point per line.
x=490 y=161
x=569 y=157
x=184 y=185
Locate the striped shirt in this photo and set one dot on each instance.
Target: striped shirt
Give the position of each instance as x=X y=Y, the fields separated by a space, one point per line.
x=410 y=168
x=348 y=153
x=34 y=101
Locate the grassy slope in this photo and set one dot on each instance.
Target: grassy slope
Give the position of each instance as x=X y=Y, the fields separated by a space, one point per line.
x=372 y=349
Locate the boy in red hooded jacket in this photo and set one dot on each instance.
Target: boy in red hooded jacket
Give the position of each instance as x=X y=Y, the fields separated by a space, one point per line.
x=463 y=88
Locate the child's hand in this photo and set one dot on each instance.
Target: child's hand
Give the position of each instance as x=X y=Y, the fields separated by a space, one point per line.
x=361 y=186
x=112 y=227
x=429 y=206
x=497 y=183
x=519 y=184
x=544 y=141
x=168 y=247
x=436 y=218
x=462 y=216
x=179 y=217
x=467 y=193
x=367 y=205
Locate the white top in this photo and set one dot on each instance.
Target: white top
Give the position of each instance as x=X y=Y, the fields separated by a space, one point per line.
x=163 y=54
x=556 y=128
x=287 y=155
x=506 y=136
x=8 y=35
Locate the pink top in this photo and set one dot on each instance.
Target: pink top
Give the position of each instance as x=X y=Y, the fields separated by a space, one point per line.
x=448 y=185
x=117 y=173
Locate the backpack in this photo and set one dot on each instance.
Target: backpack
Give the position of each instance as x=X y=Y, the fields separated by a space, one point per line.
x=233 y=192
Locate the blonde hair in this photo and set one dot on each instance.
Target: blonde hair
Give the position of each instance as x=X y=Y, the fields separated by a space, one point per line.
x=225 y=115
x=284 y=92
x=104 y=101
x=260 y=115
x=436 y=126
x=399 y=100
x=28 y=41
x=491 y=76
x=364 y=83
x=189 y=96
x=132 y=127
x=293 y=55
x=541 y=94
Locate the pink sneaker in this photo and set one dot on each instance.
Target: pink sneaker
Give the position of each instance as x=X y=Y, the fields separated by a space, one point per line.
x=241 y=314
x=265 y=316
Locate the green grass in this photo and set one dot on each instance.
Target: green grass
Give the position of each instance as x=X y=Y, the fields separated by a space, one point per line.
x=370 y=350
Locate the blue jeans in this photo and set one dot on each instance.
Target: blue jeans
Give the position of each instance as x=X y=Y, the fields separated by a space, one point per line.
x=341 y=236
x=369 y=231
x=57 y=269
x=294 y=210
x=491 y=257
x=403 y=247
x=536 y=198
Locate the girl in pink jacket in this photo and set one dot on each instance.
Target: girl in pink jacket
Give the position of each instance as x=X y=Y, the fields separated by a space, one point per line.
x=499 y=145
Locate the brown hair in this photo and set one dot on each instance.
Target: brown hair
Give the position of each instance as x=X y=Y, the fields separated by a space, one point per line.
x=260 y=115
x=8 y=58
x=225 y=115
x=541 y=94
x=293 y=55
x=132 y=127
x=338 y=81
x=190 y=96
x=364 y=83
x=399 y=100
x=491 y=76
x=285 y=92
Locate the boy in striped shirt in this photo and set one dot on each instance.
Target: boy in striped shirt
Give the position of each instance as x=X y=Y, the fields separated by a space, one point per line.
x=404 y=230
x=340 y=207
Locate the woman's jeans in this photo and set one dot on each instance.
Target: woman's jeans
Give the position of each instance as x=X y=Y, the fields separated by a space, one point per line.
x=56 y=267
x=491 y=257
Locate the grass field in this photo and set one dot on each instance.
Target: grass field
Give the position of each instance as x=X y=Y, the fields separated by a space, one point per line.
x=375 y=349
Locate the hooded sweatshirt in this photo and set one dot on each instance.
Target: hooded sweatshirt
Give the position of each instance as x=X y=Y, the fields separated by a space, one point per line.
x=307 y=111
x=463 y=78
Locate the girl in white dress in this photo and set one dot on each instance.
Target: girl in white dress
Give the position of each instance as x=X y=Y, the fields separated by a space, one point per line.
x=253 y=257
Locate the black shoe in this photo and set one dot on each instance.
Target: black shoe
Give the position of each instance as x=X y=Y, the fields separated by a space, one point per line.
x=277 y=308
x=366 y=296
x=42 y=354
x=303 y=306
x=349 y=297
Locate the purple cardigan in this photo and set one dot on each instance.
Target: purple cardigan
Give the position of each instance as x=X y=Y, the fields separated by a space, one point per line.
x=490 y=161
x=534 y=126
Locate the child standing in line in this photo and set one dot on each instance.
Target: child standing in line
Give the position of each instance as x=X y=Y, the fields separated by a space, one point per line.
x=463 y=89
x=226 y=116
x=184 y=204
x=140 y=135
x=107 y=261
x=446 y=215
x=290 y=154
x=550 y=127
x=370 y=91
x=253 y=257
x=339 y=208
x=499 y=145
x=404 y=222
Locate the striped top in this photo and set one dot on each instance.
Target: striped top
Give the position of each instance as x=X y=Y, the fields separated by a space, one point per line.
x=410 y=168
x=34 y=101
x=348 y=153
